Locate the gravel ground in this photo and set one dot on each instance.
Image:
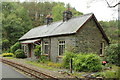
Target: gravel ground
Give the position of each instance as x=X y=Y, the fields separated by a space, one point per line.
x=10 y=73
x=54 y=73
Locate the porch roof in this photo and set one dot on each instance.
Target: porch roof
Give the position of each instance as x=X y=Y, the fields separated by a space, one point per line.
x=29 y=41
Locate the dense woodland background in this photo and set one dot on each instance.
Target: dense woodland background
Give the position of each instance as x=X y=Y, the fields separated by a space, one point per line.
x=18 y=18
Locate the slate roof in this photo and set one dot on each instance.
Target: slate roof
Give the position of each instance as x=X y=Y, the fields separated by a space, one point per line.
x=57 y=28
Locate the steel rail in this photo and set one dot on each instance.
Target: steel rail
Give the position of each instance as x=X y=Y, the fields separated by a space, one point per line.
x=34 y=73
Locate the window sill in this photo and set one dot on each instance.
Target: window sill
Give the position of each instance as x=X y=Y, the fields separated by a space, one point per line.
x=101 y=55
x=45 y=54
x=59 y=56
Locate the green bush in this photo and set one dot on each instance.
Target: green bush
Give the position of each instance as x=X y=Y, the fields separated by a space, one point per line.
x=87 y=62
x=108 y=74
x=42 y=59
x=37 y=50
x=66 y=58
x=19 y=54
x=15 y=47
x=5 y=44
x=112 y=53
x=7 y=54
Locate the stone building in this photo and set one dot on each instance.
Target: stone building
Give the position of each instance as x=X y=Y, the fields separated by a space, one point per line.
x=81 y=34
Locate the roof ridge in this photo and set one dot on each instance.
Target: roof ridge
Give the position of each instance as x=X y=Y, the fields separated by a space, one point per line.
x=61 y=20
x=81 y=15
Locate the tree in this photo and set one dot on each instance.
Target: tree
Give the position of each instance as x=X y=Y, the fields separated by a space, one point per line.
x=75 y=12
x=113 y=5
x=57 y=12
x=38 y=10
x=15 y=22
x=5 y=44
x=112 y=53
x=110 y=3
x=111 y=29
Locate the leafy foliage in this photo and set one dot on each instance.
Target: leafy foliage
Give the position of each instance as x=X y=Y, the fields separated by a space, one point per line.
x=7 y=54
x=112 y=73
x=57 y=12
x=111 y=29
x=87 y=62
x=38 y=11
x=5 y=44
x=37 y=51
x=19 y=54
x=14 y=47
x=15 y=22
x=112 y=53
x=42 y=59
x=66 y=58
x=82 y=61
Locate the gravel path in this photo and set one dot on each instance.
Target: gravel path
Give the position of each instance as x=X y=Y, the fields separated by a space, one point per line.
x=10 y=73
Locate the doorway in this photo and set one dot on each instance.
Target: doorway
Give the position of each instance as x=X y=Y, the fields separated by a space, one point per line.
x=30 y=50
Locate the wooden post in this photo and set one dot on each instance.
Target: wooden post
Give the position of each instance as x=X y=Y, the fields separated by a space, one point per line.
x=71 y=65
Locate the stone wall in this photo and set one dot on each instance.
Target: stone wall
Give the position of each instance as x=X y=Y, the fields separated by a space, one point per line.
x=89 y=38
x=54 y=43
x=69 y=42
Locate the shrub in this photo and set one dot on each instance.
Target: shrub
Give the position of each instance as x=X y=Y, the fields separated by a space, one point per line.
x=37 y=50
x=111 y=54
x=87 y=62
x=42 y=59
x=19 y=54
x=15 y=47
x=7 y=54
x=66 y=58
x=108 y=74
x=5 y=44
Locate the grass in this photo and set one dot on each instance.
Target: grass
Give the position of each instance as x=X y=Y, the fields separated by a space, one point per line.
x=41 y=65
x=111 y=73
x=10 y=57
x=47 y=65
x=79 y=75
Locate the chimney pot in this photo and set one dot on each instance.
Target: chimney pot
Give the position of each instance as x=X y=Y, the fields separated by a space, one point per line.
x=49 y=19
x=67 y=15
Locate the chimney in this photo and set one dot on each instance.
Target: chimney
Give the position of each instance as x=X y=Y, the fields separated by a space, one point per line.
x=67 y=15
x=49 y=19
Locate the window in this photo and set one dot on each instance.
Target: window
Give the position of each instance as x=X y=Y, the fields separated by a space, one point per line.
x=25 y=48
x=61 y=47
x=46 y=48
x=102 y=49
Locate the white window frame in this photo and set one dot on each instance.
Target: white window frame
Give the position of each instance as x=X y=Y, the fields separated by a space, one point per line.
x=60 y=44
x=46 y=43
x=25 y=48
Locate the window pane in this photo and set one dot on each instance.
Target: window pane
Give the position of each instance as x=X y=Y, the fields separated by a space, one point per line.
x=61 y=47
x=46 y=49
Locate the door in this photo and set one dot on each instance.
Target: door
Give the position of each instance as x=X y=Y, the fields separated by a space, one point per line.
x=30 y=50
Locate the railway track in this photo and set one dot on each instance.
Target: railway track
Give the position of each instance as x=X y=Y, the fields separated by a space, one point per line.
x=32 y=72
